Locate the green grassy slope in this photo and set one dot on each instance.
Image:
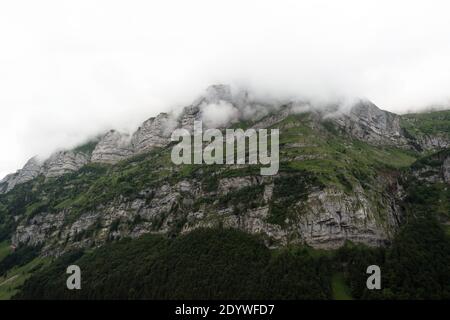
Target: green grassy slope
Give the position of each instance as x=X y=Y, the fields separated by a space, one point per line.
x=431 y=123
x=333 y=156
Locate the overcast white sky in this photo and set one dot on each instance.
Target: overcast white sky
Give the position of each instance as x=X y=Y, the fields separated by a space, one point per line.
x=71 y=69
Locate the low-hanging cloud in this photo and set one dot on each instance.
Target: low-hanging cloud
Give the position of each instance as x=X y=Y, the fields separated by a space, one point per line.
x=217 y=115
x=70 y=70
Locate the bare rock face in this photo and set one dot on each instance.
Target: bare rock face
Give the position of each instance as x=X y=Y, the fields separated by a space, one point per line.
x=113 y=147
x=155 y=132
x=63 y=162
x=446 y=170
x=6 y=182
x=188 y=116
x=365 y=121
x=58 y=164
x=334 y=217
x=435 y=171
x=30 y=171
x=40 y=228
x=325 y=219
x=436 y=142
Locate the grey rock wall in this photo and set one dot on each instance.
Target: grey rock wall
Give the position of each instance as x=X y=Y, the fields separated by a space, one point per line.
x=112 y=147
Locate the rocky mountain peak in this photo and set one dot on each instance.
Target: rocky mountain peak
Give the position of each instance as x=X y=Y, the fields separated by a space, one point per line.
x=154 y=132
x=29 y=171
x=321 y=214
x=365 y=121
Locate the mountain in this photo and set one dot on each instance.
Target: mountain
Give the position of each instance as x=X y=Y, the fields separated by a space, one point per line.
x=346 y=175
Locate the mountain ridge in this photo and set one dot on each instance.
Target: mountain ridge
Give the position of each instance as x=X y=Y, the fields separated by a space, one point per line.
x=363 y=120
x=338 y=181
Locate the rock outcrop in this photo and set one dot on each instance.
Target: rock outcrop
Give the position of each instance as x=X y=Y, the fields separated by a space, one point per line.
x=155 y=132
x=435 y=142
x=364 y=121
x=59 y=163
x=325 y=219
x=367 y=122
x=112 y=147
x=356 y=205
x=446 y=170
x=188 y=116
x=334 y=217
x=29 y=171
x=436 y=168
x=63 y=162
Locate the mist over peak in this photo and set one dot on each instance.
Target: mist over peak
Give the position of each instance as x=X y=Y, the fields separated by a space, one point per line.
x=68 y=76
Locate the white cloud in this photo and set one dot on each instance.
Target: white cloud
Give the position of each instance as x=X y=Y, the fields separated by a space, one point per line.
x=70 y=69
x=217 y=115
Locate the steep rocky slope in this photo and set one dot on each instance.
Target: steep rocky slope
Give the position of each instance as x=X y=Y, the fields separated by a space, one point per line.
x=363 y=121
x=338 y=180
x=29 y=171
x=428 y=130
x=112 y=147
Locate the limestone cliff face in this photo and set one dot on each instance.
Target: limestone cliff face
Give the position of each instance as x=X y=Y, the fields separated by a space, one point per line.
x=29 y=171
x=446 y=170
x=115 y=146
x=325 y=219
x=112 y=147
x=365 y=121
x=334 y=217
x=59 y=163
x=63 y=162
x=322 y=216
x=188 y=116
x=7 y=183
x=433 y=142
x=155 y=132
x=435 y=171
